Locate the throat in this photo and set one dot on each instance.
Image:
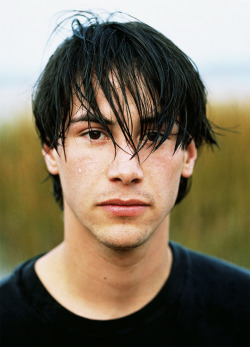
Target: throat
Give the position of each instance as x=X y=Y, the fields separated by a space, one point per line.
x=109 y=288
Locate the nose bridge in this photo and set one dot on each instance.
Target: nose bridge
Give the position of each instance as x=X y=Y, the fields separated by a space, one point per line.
x=124 y=152
x=124 y=167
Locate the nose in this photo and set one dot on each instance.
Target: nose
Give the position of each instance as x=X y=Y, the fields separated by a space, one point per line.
x=125 y=169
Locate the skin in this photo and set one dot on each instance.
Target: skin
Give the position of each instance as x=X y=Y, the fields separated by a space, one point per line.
x=111 y=263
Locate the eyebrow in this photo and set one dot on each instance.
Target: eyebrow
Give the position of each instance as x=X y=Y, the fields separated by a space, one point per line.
x=88 y=117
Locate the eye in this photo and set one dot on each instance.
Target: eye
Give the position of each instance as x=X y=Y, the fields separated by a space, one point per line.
x=95 y=135
x=152 y=136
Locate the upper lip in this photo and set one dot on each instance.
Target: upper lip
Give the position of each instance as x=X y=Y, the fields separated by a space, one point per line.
x=130 y=202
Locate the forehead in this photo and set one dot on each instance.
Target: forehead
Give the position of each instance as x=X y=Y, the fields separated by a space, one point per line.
x=119 y=106
x=130 y=107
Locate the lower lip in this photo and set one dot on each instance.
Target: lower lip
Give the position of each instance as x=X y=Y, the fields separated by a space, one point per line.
x=124 y=211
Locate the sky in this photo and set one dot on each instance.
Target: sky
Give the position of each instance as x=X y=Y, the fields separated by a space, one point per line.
x=215 y=34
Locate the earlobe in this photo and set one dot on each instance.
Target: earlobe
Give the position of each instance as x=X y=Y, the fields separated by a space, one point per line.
x=190 y=156
x=49 y=155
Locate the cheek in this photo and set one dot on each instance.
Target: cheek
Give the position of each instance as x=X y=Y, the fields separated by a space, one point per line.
x=81 y=170
x=165 y=173
x=167 y=165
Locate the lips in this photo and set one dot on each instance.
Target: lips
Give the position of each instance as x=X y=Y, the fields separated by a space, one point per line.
x=124 y=208
x=119 y=202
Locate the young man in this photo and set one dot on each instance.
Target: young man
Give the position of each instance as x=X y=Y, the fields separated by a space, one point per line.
x=121 y=113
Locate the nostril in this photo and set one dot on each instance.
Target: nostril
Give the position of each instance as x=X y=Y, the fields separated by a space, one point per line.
x=136 y=180
x=117 y=179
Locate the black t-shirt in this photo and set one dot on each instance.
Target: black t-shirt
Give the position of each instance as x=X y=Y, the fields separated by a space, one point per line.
x=204 y=302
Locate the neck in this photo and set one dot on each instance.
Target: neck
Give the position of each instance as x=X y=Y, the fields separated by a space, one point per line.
x=98 y=282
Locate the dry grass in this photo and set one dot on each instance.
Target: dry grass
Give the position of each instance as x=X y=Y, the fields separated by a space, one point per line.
x=214 y=218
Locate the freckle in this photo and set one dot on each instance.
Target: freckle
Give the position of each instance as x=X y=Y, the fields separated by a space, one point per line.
x=105 y=278
x=80 y=170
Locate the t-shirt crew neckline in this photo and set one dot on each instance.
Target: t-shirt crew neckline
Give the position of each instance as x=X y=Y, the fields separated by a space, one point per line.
x=48 y=309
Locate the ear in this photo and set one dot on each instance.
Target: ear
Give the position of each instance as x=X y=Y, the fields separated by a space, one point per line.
x=190 y=156
x=50 y=156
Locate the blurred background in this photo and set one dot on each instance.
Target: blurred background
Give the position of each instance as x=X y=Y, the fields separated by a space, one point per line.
x=215 y=34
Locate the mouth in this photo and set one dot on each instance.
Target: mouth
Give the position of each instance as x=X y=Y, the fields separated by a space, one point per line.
x=124 y=208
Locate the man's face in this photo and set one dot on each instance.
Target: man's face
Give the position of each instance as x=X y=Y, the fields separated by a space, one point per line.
x=118 y=201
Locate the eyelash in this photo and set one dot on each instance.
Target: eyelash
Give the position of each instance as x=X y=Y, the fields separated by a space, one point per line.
x=94 y=132
x=101 y=136
x=100 y=133
x=153 y=133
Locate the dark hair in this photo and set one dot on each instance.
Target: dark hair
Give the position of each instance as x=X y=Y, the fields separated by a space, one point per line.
x=162 y=80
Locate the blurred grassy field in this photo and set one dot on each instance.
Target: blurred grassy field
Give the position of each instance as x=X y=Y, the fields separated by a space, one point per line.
x=213 y=218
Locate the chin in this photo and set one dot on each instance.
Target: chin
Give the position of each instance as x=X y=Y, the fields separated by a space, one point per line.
x=124 y=242
x=126 y=246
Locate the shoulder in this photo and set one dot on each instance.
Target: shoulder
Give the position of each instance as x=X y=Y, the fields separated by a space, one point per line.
x=215 y=295
x=214 y=282
x=9 y=288
x=209 y=269
x=17 y=315
x=217 y=272
x=13 y=296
